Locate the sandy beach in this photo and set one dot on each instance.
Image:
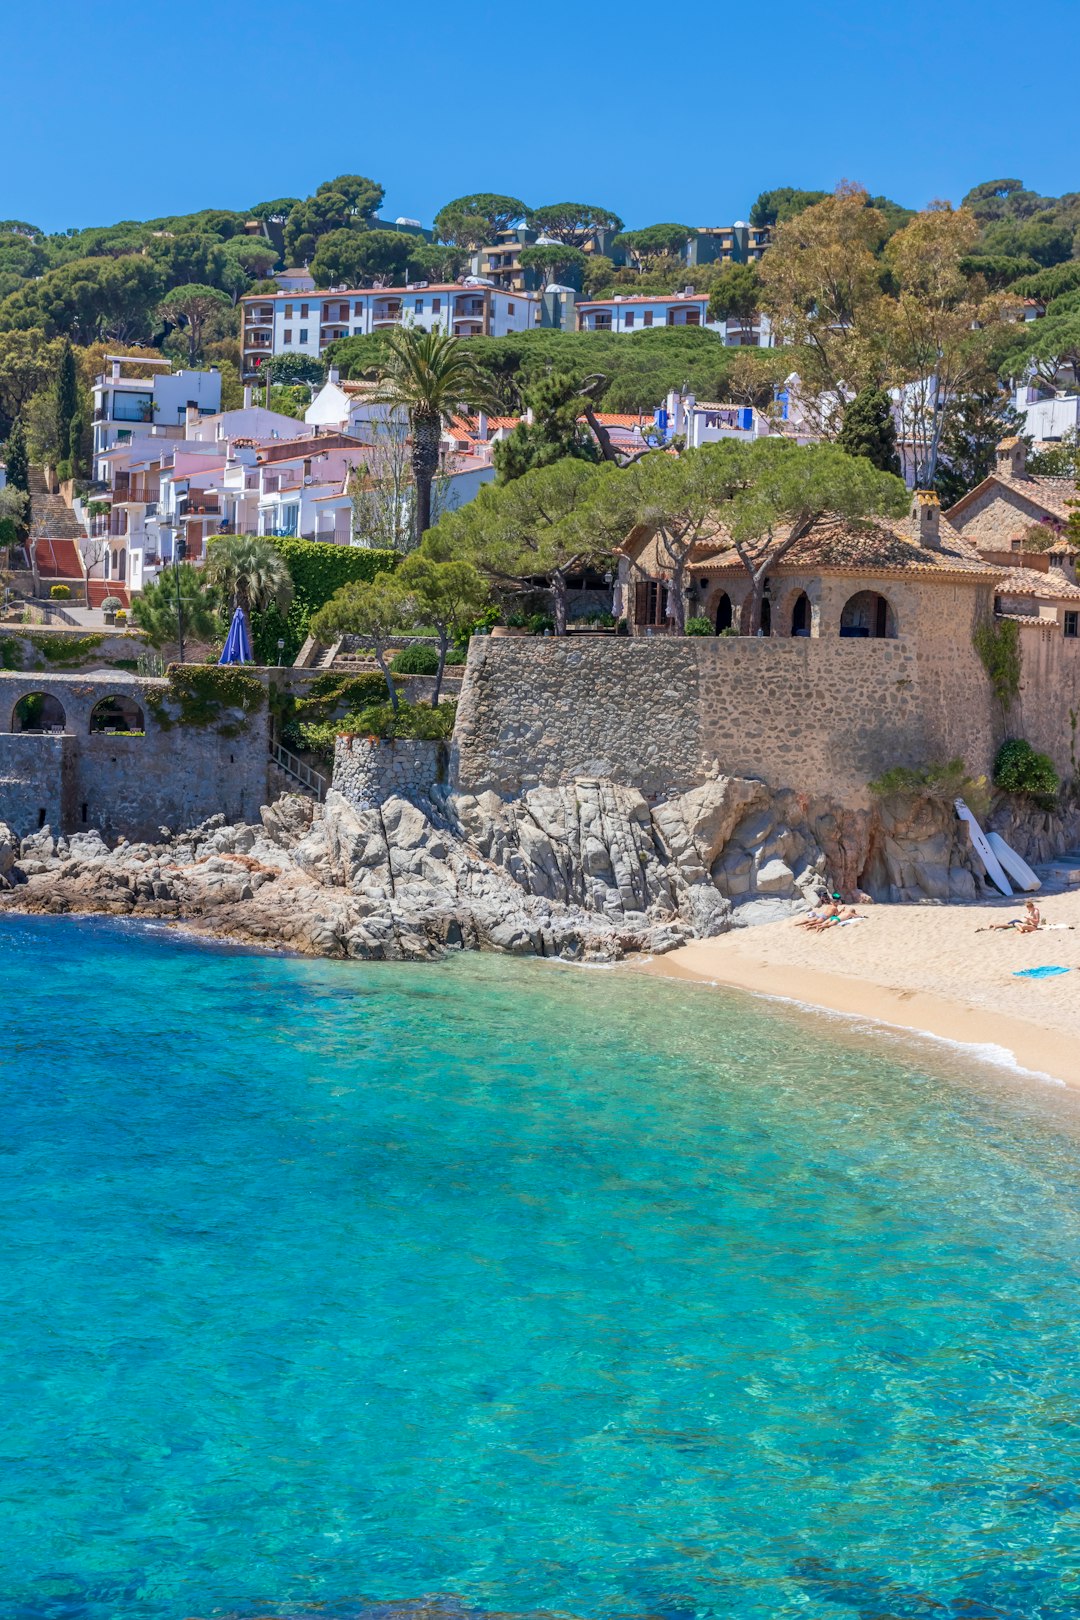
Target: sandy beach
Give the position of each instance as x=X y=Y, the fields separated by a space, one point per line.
x=921 y=967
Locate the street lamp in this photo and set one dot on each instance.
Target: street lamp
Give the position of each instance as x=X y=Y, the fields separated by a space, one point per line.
x=179 y=553
x=281 y=651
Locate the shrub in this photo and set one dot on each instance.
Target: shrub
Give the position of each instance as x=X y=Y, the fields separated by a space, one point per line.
x=699 y=627
x=416 y=720
x=60 y=593
x=121 y=615
x=64 y=471
x=110 y=604
x=411 y=720
x=217 y=695
x=537 y=623
x=1019 y=769
x=419 y=659
x=943 y=782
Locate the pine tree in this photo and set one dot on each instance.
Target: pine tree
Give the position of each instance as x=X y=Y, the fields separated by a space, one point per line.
x=18 y=462
x=869 y=430
x=67 y=398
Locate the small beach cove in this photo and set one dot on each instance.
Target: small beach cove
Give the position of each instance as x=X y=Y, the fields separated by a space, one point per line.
x=925 y=968
x=506 y=1288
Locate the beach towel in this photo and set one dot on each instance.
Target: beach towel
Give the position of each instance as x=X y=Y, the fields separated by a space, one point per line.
x=1040 y=972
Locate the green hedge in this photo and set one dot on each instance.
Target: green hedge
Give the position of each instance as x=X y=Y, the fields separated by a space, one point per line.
x=318 y=569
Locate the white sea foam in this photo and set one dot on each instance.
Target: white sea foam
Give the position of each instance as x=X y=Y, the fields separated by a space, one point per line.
x=980 y=1051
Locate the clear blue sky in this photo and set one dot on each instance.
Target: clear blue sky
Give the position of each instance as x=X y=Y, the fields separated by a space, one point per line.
x=662 y=113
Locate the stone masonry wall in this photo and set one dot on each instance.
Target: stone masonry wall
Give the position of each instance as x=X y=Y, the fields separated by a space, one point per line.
x=367 y=771
x=819 y=716
x=36 y=776
x=1048 y=710
x=173 y=776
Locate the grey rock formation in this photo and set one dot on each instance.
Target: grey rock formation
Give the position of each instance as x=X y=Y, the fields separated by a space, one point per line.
x=591 y=870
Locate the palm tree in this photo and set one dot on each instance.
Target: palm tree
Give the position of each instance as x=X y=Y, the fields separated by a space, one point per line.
x=251 y=571
x=429 y=376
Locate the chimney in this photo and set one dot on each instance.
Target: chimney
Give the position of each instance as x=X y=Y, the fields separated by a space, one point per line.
x=482 y=426
x=1011 y=459
x=926 y=513
x=191 y=415
x=1062 y=563
x=115 y=371
x=247 y=396
x=333 y=375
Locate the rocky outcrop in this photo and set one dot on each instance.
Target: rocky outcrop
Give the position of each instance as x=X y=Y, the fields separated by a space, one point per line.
x=590 y=870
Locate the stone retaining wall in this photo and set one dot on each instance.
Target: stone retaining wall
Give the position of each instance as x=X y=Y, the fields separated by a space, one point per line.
x=662 y=714
x=367 y=771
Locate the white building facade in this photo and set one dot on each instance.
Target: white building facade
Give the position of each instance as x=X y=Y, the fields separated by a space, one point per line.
x=305 y=323
x=124 y=404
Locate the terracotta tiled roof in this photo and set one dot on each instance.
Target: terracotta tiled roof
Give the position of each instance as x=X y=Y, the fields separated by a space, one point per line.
x=1033 y=582
x=839 y=545
x=1055 y=494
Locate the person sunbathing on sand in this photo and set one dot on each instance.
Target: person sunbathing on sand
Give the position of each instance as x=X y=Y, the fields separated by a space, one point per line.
x=1029 y=923
x=838 y=917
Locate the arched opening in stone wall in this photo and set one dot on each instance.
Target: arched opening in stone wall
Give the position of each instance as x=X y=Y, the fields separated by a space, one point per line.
x=118 y=714
x=38 y=711
x=723 y=612
x=766 y=614
x=868 y=616
x=800 y=615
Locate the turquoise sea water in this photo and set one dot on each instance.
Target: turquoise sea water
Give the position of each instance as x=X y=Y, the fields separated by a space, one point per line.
x=541 y=1289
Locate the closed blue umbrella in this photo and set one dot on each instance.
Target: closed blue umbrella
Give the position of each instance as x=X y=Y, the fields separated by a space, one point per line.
x=237 y=649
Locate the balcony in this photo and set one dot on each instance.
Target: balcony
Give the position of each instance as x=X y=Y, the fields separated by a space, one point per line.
x=388 y=314
x=259 y=317
x=258 y=340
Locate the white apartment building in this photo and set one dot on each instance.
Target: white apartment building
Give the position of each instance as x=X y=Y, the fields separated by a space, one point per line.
x=638 y=312
x=305 y=323
x=1047 y=414
x=123 y=404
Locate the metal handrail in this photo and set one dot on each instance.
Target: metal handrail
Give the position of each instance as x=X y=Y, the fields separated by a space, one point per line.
x=295 y=767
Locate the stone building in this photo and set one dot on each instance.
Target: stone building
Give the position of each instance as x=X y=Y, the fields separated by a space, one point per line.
x=117 y=753
x=913 y=578
x=994 y=516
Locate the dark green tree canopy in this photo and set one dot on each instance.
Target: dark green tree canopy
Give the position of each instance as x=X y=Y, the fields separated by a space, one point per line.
x=293 y=368
x=573 y=224
x=869 y=430
x=476 y=220
x=359 y=258
x=555 y=262
x=346 y=203
x=782 y=203
x=736 y=294
x=654 y=242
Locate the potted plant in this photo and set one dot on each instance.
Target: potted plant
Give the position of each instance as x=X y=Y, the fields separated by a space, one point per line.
x=110 y=607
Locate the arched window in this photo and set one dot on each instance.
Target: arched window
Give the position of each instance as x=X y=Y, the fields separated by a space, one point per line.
x=723 y=612
x=38 y=711
x=800 y=615
x=868 y=616
x=118 y=713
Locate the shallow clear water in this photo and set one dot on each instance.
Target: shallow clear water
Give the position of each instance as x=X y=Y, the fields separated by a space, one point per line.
x=540 y=1288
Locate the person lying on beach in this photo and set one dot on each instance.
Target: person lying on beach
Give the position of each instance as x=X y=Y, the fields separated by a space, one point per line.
x=837 y=918
x=817 y=919
x=1029 y=923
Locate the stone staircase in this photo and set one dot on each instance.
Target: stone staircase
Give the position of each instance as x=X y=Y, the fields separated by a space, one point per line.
x=55 y=533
